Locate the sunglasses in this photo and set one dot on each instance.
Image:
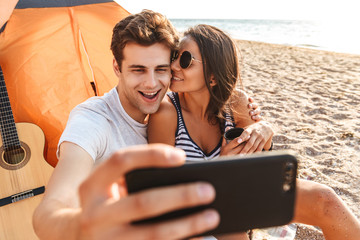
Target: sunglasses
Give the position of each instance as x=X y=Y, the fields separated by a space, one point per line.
x=186 y=59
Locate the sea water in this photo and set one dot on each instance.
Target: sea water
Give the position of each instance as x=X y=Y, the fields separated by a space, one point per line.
x=330 y=36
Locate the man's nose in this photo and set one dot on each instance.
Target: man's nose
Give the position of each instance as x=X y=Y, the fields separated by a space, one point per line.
x=150 y=81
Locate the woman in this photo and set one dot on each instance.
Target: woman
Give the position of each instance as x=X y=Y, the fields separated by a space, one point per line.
x=205 y=75
x=206 y=101
x=204 y=93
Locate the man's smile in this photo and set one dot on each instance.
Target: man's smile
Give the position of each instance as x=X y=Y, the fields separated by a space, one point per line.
x=150 y=95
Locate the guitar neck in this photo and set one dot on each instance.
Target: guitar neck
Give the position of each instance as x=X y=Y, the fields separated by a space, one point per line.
x=9 y=133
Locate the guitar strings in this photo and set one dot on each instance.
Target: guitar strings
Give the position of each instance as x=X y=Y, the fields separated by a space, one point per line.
x=16 y=177
x=13 y=153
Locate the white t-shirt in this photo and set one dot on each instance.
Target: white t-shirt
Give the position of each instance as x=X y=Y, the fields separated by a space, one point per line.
x=101 y=126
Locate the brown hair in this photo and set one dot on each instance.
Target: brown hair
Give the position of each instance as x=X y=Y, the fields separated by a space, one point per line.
x=145 y=28
x=221 y=59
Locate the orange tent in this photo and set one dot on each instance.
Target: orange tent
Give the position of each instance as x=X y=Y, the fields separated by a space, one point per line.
x=55 y=55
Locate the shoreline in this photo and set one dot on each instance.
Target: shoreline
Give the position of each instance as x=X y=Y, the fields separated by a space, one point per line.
x=312 y=98
x=310 y=47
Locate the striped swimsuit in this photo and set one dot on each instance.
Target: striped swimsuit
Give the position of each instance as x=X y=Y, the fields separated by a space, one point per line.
x=183 y=139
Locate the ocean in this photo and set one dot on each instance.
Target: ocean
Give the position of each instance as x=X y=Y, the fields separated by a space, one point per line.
x=330 y=36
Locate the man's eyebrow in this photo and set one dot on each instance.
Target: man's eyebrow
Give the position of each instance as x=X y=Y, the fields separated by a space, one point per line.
x=136 y=66
x=163 y=66
x=143 y=67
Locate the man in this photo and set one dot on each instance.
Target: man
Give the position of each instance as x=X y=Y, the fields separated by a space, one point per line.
x=83 y=203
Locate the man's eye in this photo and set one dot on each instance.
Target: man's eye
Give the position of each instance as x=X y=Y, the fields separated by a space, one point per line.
x=138 y=70
x=162 y=70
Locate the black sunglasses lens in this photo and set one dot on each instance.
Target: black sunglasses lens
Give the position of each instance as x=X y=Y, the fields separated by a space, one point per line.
x=185 y=59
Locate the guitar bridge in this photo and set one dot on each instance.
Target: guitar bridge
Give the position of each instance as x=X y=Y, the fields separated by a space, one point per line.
x=21 y=196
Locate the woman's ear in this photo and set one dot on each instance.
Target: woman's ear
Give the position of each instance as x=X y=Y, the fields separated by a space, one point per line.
x=212 y=81
x=116 y=68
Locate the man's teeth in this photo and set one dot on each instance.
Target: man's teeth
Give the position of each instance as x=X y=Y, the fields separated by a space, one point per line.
x=150 y=94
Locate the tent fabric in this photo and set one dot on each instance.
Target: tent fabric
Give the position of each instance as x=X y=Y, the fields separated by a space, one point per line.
x=56 y=3
x=54 y=59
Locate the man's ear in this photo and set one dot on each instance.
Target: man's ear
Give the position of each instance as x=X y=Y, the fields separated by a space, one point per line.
x=116 y=68
x=212 y=81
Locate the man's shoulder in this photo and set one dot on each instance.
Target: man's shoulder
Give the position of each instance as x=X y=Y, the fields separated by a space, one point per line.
x=102 y=105
x=92 y=103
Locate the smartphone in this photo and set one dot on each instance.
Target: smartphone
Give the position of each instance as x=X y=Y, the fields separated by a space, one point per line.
x=256 y=191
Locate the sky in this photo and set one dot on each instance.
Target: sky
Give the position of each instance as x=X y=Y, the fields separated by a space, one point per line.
x=319 y=10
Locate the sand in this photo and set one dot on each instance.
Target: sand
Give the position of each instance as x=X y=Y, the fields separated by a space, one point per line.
x=312 y=98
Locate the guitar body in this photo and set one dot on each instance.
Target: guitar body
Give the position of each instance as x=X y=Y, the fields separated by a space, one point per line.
x=31 y=172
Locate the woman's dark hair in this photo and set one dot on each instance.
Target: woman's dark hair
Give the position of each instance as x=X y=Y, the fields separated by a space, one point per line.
x=220 y=59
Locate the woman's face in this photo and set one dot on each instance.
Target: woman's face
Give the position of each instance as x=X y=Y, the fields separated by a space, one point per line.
x=190 y=79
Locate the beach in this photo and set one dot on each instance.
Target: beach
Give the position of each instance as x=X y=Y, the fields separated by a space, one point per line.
x=312 y=99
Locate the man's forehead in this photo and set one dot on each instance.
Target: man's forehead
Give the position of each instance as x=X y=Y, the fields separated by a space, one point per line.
x=152 y=55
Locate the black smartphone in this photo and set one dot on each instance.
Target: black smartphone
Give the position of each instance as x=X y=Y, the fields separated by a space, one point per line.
x=255 y=191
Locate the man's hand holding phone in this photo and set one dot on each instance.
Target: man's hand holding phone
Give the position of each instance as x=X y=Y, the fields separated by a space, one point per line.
x=105 y=215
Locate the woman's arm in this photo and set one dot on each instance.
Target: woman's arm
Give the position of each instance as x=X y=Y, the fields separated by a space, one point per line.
x=162 y=124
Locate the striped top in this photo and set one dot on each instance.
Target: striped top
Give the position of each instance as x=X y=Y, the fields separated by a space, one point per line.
x=183 y=139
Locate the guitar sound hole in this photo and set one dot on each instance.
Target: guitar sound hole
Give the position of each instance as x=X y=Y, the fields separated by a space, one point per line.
x=14 y=155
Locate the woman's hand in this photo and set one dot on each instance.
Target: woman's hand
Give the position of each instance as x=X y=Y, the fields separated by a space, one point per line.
x=258 y=136
x=231 y=148
x=254 y=138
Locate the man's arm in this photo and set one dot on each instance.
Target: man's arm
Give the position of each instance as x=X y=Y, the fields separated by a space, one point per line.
x=100 y=214
x=56 y=216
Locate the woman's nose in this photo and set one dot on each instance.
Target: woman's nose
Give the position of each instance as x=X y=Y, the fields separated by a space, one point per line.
x=175 y=66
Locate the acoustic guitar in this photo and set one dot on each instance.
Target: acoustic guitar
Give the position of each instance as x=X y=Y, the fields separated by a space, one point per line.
x=23 y=172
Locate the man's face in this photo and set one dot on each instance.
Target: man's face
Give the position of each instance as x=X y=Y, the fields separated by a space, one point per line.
x=144 y=78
